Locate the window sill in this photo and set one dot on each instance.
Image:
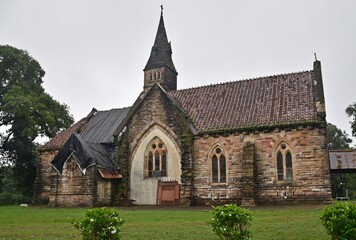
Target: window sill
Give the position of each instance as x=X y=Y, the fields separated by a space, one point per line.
x=154 y=177
x=284 y=182
x=219 y=184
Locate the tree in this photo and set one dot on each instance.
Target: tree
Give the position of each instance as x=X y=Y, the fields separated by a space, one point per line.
x=9 y=192
x=336 y=138
x=351 y=112
x=26 y=112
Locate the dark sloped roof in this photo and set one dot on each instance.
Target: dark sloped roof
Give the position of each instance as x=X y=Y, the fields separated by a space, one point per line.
x=102 y=126
x=161 y=52
x=93 y=146
x=266 y=101
x=86 y=154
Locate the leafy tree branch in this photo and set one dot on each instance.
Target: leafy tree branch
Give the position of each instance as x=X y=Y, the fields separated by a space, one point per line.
x=26 y=112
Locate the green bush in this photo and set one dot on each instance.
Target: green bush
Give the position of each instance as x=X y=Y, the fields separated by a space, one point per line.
x=99 y=223
x=7 y=198
x=231 y=222
x=339 y=219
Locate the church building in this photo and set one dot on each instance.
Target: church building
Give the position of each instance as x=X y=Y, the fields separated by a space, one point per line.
x=256 y=141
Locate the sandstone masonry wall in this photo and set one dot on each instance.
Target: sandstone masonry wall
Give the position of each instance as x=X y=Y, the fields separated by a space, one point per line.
x=42 y=183
x=157 y=109
x=72 y=187
x=311 y=177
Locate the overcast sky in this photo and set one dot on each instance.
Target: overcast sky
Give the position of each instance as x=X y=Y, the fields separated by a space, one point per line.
x=94 y=52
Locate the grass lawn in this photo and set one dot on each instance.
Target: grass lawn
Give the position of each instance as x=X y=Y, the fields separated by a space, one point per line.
x=284 y=222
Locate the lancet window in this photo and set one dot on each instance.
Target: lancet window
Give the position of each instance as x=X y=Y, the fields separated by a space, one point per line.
x=284 y=163
x=218 y=166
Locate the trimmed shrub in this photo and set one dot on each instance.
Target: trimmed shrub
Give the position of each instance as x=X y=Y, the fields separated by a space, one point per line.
x=99 y=223
x=230 y=221
x=339 y=219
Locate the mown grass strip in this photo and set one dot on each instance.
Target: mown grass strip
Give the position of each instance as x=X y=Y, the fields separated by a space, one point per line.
x=294 y=222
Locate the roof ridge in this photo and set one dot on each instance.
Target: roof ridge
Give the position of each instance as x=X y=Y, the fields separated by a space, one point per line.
x=123 y=108
x=251 y=101
x=63 y=135
x=242 y=80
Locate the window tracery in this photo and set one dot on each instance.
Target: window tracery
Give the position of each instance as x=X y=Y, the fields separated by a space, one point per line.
x=218 y=166
x=155 y=159
x=71 y=166
x=284 y=162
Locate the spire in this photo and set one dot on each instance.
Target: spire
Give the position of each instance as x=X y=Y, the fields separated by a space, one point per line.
x=161 y=52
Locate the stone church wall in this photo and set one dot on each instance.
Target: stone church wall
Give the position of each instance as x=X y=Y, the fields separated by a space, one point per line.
x=157 y=110
x=105 y=190
x=311 y=178
x=72 y=187
x=42 y=185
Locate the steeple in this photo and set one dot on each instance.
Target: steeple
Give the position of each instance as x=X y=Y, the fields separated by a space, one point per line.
x=160 y=67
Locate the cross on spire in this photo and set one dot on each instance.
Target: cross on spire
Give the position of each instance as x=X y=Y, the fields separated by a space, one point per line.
x=159 y=67
x=161 y=50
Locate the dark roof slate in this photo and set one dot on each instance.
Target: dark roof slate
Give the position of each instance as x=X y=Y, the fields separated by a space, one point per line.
x=103 y=124
x=92 y=146
x=161 y=52
x=86 y=154
x=266 y=101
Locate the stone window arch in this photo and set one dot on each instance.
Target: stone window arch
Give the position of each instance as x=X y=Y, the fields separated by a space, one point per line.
x=218 y=165
x=284 y=162
x=155 y=162
x=71 y=166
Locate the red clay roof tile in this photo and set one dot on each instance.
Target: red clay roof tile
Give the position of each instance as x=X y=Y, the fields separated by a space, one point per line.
x=63 y=136
x=274 y=100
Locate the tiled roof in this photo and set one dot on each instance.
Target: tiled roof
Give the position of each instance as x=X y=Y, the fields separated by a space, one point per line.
x=63 y=136
x=266 y=101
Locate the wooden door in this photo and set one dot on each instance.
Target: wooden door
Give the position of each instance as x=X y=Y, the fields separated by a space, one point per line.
x=168 y=193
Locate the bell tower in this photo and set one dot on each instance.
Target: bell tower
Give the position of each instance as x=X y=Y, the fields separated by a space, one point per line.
x=160 y=68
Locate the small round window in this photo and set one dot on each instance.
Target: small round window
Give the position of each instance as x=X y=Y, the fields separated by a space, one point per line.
x=218 y=150
x=154 y=146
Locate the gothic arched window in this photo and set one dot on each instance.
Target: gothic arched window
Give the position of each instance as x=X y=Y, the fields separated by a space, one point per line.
x=155 y=164
x=218 y=166
x=284 y=163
